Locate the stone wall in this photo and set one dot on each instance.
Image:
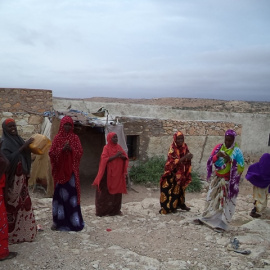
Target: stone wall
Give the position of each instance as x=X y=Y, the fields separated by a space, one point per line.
x=25 y=100
x=155 y=137
x=255 y=126
x=154 y=125
x=26 y=107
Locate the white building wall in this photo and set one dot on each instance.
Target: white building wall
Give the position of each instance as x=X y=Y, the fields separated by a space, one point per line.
x=255 y=127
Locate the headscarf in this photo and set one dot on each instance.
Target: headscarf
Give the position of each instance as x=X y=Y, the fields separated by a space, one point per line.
x=116 y=169
x=232 y=133
x=64 y=163
x=258 y=174
x=10 y=148
x=181 y=171
x=231 y=170
x=9 y=120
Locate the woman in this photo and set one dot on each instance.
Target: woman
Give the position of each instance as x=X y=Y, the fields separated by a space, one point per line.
x=4 y=250
x=21 y=219
x=65 y=155
x=176 y=177
x=111 y=178
x=258 y=175
x=228 y=162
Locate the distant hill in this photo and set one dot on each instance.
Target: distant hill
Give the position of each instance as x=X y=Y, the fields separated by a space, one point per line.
x=195 y=104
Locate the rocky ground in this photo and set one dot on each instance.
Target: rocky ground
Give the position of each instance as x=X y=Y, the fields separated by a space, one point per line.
x=144 y=239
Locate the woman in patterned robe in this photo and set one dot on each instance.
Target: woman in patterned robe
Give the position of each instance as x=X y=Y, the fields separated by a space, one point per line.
x=21 y=220
x=228 y=161
x=176 y=176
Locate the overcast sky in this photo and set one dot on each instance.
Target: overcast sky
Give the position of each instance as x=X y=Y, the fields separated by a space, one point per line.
x=218 y=49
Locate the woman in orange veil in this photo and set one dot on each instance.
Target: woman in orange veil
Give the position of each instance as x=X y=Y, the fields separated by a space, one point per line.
x=111 y=178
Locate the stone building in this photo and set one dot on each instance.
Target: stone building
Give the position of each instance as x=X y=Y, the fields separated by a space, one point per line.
x=148 y=129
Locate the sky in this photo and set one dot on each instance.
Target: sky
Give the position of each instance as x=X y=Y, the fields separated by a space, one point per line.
x=213 y=49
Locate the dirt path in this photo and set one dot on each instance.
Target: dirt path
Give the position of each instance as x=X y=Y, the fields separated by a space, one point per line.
x=144 y=239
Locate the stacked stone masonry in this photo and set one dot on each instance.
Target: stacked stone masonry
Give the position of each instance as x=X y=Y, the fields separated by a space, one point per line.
x=26 y=107
x=155 y=135
x=25 y=100
x=163 y=127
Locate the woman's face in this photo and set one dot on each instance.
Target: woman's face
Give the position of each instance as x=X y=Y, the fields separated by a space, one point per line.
x=12 y=128
x=115 y=139
x=228 y=141
x=67 y=127
x=180 y=140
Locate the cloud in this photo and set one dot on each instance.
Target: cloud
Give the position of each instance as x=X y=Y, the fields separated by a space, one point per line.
x=137 y=48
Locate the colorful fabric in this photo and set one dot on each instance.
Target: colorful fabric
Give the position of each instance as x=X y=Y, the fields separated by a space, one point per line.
x=116 y=169
x=176 y=177
x=219 y=208
x=65 y=163
x=231 y=132
x=10 y=148
x=4 y=251
x=260 y=196
x=258 y=174
x=66 y=211
x=21 y=220
x=107 y=204
x=172 y=196
x=224 y=185
x=182 y=171
x=230 y=170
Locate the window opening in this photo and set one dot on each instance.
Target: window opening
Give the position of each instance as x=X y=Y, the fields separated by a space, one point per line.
x=132 y=145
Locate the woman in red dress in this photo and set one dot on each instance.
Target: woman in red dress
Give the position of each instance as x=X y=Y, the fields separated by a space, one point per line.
x=4 y=250
x=111 y=178
x=65 y=155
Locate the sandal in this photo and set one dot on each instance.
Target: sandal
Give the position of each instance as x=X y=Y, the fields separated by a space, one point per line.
x=184 y=207
x=197 y=222
x=11 y=255
x=254 y=214
x=53 y=228
x=219 y=230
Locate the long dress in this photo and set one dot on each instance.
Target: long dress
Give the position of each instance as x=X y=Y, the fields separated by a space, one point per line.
x=66 y=208
x=175 y=179
x=4 y=251
x=224 y=187
x=21 y=220
x=107 y=204
x=110 y=181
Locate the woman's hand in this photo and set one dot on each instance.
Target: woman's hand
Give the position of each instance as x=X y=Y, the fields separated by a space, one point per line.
x=120 y=155
x=66 y=147
x=188 y=156
x=26 y=144
x=185 y=158
x=226 y=157
x=29 y=142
